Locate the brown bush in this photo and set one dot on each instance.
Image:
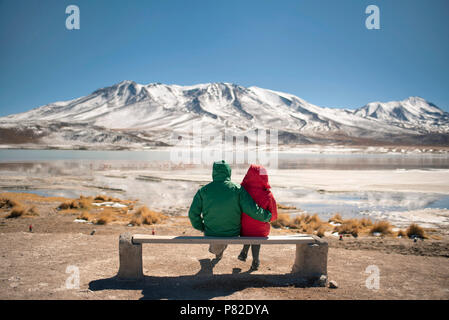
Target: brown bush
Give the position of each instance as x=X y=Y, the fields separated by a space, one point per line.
x=305 y=223
x=85 y=216
x=320 y=232
x=315 y=222
x=32 y=211
x=104 y=218
x=416 y=230
x=350 y=226
x=365 y=222
x=19 y=211
x=283 y=220
x=143 y=215
x=104 y=198
x=81 y=203
x=16 y=212
x=383 y=227
x=109 y=214
x=6 y=203
x=65 y=205
x=101 y=198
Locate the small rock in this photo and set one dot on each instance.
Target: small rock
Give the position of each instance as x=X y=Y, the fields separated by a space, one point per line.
x=321 y=282
x=93 y=232
x=333 y=284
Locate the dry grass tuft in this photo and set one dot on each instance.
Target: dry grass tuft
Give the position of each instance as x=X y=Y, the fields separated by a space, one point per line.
x=304 y=223
x=350 y=226
x=32 y=211
x=105 y=218
x=383 y=227
x=17 y=208
x=401 y=233
x=6 y=203
x=312 y=224
x=309 y=224
x=143 y=215
x=365 y=222
x=101 y=198
x=19 y=211
x=16 y=212
x=321 y=230
x=85 y=216
x=416 y=230
x=84 y=203
x=336 y=218
x=283 y=220
x=105 y=198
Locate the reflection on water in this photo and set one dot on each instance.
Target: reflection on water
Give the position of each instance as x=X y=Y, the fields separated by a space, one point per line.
x=355 y=204
x=286 y=160
x=363 y=161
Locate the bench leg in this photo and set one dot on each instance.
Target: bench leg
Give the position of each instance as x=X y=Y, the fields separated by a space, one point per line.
x=130 y=259
x=311 y=261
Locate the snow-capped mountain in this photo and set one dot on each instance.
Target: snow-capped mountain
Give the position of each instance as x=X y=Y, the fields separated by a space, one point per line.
x=414 y=112
x=144 y=115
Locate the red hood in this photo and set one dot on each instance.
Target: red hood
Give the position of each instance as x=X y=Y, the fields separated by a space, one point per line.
x=256 y=177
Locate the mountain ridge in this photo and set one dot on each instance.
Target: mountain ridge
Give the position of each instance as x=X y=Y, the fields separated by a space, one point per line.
x=157 y=110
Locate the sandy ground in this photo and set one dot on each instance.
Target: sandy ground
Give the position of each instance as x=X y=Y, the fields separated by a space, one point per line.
x=37 y=265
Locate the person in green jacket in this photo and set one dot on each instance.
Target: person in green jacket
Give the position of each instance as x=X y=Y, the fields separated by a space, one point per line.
x=217 y=207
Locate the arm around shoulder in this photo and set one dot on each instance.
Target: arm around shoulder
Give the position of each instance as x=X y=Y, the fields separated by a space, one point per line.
x=248 y=206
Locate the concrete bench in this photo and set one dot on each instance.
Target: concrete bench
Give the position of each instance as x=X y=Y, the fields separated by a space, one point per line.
x=310 y=261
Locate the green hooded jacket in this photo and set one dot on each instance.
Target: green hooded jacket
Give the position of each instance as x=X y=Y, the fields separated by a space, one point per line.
x=217 y=207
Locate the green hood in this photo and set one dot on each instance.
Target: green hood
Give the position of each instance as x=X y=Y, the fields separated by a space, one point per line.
x=221 y=171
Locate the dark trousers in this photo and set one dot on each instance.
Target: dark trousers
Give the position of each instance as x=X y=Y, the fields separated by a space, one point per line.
x=255 y=249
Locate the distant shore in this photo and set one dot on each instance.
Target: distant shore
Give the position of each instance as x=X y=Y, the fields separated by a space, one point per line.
x=308 y=148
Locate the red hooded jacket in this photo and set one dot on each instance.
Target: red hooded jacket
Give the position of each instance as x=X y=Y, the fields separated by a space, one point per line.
x=256 y=184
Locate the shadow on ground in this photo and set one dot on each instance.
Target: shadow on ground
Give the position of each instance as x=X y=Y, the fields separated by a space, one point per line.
x=200 y=286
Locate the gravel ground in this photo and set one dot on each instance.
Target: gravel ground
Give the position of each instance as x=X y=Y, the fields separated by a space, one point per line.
x=38 y=265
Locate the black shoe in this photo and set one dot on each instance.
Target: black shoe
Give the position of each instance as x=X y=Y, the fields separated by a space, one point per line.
x=242 y=257
x=255 y=265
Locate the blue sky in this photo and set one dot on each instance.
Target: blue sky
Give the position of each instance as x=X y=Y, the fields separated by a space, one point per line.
x=318 y=50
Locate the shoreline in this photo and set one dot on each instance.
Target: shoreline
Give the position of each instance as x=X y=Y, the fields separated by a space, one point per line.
x=304 y=149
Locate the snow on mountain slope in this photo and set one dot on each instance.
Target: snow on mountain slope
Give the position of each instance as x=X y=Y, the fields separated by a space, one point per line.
x=414 y=112
x=157 y=110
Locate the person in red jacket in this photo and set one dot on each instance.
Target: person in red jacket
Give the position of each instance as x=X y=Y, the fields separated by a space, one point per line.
x=256 y=184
